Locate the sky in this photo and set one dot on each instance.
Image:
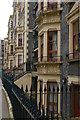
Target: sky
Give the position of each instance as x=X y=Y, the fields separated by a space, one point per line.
x=6 y=10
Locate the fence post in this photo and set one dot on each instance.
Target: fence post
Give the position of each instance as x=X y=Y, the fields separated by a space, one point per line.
x=62 y=101
x=47 y=115
x=22 y=88
x=31 y=93
x=26 y=90
x=40 y=95
x=43 y=113
x=44 y=97
x=57 y=101
x=39 y=108
x=70 y=100
x=51 y=115
x=53 y=101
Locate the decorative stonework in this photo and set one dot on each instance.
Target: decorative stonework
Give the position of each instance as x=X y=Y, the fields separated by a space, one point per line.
x=48 y=68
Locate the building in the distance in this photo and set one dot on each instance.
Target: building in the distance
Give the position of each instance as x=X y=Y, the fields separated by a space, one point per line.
x=2 y=51
x=5 y=58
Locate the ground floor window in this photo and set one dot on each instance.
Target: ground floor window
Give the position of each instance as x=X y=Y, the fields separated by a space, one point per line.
x=52 y=97
x=75 y=101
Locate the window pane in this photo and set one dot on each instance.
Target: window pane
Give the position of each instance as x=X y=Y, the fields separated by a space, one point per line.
x=55 y=37
x=50 y=36
x=20 y=59
x=50 y=46
x=50 y=107
x=55 y=45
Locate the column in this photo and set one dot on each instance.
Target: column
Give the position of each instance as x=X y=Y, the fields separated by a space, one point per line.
x=45 y=95
x=58 y=41
x=45 y=46
x=59 y=99
x=39 y=48
x=38 y=92
x=45 y=5
x=70 y=40
x=68 y=101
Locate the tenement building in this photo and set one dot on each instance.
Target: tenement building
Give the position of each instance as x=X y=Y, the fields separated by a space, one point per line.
x=49 y=57
x=58 y=56
x=70 y=50
x=44 y=37
x=11 y=44
x=5 y=60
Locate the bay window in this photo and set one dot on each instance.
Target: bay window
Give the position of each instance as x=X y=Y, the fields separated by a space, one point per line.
x=52 y=46
x=19 y=39
x=51 y=5
x=42 y=36
x=76 y=43
x=42 y=5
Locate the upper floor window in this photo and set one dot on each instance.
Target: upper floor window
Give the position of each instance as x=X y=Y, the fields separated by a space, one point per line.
x=15 y=20
x=11 y=35
x=42 y=38
x=11 y=49
x=19 y=59
x=76 y=44
x=42 y=5
x=51 y=5
x=11 y=24
x=19 y=39
x=52 y=45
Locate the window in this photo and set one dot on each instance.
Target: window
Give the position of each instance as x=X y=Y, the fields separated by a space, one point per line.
x=11 y=35
x=11 y=64
x=52 y=97
x=51 y=5
x=19 y=59
x=11 y=24
x=11 y=49
x=15 y=20
x=75 y=40
x=42 y=5
x=19 y=39
x=52 y=46
x=42 y=47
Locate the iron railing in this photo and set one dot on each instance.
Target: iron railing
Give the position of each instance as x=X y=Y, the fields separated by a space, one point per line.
x=47 y=99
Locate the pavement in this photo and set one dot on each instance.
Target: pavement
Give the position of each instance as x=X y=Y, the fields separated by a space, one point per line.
x=4 y=110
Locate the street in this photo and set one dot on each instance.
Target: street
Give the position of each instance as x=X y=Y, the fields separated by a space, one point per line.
x=3 y=104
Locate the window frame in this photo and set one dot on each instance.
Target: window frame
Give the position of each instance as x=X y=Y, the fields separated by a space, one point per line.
x=41 y=46
x=74 y=35
x=19 y=63
x=53 y=51
x=48 y=102
x=19 y=42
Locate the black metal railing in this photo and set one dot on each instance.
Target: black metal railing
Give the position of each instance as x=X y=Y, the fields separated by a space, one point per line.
x=53 y=102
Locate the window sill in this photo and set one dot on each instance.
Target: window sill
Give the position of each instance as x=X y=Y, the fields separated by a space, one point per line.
x=73 y=60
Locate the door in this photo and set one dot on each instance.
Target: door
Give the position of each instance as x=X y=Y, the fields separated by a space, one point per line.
x=76 y=99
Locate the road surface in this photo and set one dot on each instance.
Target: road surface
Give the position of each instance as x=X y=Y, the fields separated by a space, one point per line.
x=4 y=113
